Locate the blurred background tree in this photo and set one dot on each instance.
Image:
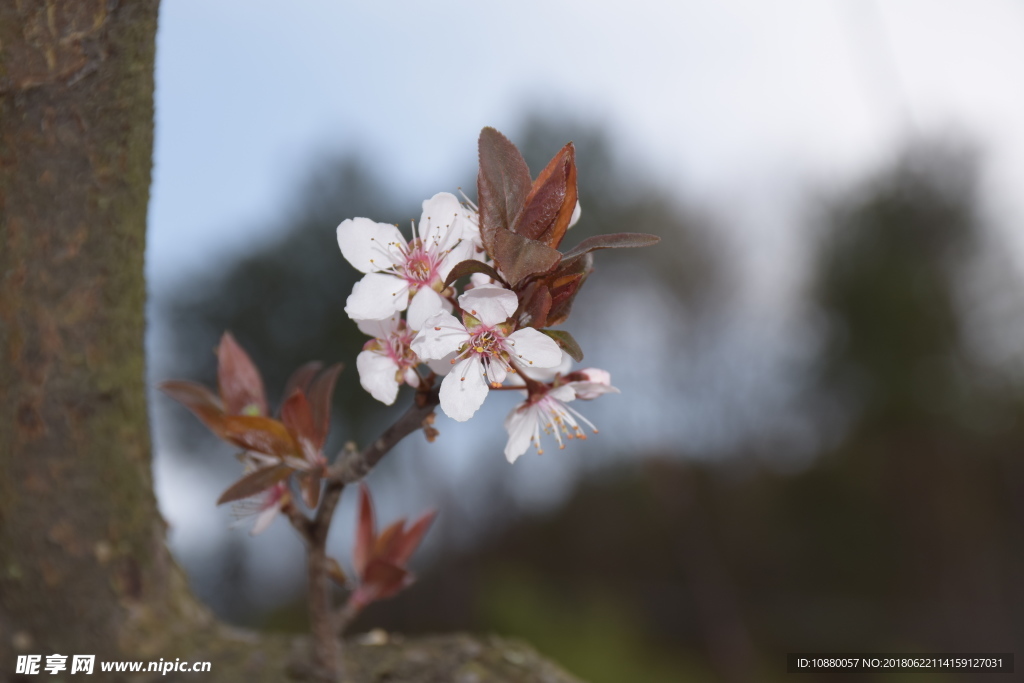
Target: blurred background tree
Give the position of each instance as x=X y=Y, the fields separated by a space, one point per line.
x=901 y=531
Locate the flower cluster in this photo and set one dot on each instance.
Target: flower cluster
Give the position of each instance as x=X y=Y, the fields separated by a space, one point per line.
x=515 y=285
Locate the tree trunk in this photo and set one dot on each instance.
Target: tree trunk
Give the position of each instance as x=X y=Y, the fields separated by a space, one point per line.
x=81 y=541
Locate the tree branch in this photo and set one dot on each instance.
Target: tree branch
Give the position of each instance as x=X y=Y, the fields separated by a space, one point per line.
x=350 y=466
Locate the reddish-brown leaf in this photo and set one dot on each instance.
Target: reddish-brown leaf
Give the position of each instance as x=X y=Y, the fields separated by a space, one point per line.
x=403 y=549
x=549 y=206
x=320 y=394
x=254 y=482
x=260 y=434
x=200 y=400
x=302 y=378
x=519 y=257
x=503 y=184
x=297 y=416
x=391 y=534
x=470 y=266
x=381 y=579
x=535 y=303
x=617 y=240
x=240 y=383
x=567 y=342
x=564 y=284
x=309 y=487
x=366 y=531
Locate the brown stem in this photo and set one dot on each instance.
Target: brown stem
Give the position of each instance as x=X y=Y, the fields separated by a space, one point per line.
x=302 y=524
x=350 y=466
x=326 y=647
x=347 y=615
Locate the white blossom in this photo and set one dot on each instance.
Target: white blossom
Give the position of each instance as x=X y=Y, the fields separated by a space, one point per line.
x=548 y=412
x=485 y=348
x=401 y=274
x=387 y=360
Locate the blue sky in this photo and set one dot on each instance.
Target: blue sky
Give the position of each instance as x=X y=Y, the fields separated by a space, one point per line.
x=718 y=99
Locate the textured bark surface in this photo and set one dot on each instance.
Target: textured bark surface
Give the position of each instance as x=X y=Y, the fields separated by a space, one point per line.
x=81 y=542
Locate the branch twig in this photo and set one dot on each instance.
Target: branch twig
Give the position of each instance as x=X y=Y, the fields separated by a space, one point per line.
x=349 y=467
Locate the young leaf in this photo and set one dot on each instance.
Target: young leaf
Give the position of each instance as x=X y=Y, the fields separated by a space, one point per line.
x=260 y=434
x=535 y=304
x=200 y=400
x=566 y=341
x=381 y=580
x=617 y=240
x=297 y=416
x=564 y=284
x=301 y=378
x=551 y=201
x=520 y=257
x=240 y=383
x=391 y=534
x=470 y=266
x=309 y=486
x=402 y=550
x=366 y=531
x=503 y=184
x=320 y=394
x=254 y=482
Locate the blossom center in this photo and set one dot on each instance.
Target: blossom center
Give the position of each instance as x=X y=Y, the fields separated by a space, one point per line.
x=490 y=345
x=421 y=266
x=556 y=419
x=396 y=346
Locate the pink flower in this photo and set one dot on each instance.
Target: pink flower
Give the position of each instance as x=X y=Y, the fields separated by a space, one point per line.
x=483 y=347
x=387 y=360
x=547 y=410
x=401 y=274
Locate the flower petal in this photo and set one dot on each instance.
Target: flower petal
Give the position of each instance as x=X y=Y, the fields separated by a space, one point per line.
x=377 y=296
x=442 y=334
x=424 y=304
x=587 y=391
x=265 y=517
x=522 y=425
x=533 y=349
x=577 y=210
x=496 y=372
x=441 y=223
x=441 y=366
x=597 y=375
x=545 y=374
x=564 y=393
x=489 y=305
x=382 y=328
x=464 y=389
x=377 y=374
x=463 y=251
x=370 y=246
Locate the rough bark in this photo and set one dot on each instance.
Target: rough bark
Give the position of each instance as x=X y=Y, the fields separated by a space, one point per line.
x=81 y=542
x=83 y=564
